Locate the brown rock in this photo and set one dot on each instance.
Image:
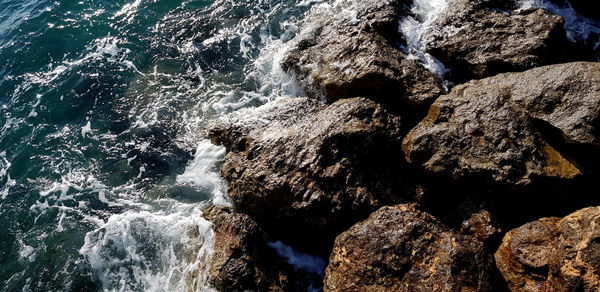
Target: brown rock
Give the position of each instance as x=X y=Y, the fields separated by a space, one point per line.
x=496 y=129
x=475 y=40
x=242 y=260
x=340 y=56
x=402 y=249
x=308 y=170
x=553 y=254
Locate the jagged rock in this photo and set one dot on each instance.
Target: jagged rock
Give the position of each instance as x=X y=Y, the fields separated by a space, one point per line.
x=476 y=40
x=309 y=171
x=242 y=260
x=357 y=54
x=504 y=129
x=402 y=249
x=553 y=254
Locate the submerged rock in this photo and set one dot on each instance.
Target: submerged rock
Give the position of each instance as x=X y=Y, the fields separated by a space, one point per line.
x=242 y=260
x=553 y=254
x=505 y=129
x=359 y=54
x=402 y=249
x=476 y=39
x=307 y=170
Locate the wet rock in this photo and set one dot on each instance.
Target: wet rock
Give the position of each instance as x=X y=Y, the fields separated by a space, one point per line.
x=357 y=53
x=402 y=249
x=475 y=39
x=307 y=170
x=510 y=129
x=553 y=254
x=242 y=260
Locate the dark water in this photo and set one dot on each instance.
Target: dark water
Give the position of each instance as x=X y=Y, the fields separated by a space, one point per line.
x=102 y=166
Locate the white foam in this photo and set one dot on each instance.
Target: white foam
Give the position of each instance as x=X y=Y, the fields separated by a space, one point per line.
x=152 y=251
x=26 y=252
x=128 y=11
x=577 y=26
x=87 y=129
x=417 y=30
x=5 y=176
x=203 y=172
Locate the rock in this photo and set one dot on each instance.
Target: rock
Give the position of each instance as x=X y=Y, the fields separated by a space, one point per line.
x=553 y=254
x=358 y=54
x=507 y=129
x=308 y=171
x=477 y=40
x=402 y=249
x=242 y=260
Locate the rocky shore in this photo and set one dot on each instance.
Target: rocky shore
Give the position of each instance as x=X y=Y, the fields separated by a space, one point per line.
x=485 y=178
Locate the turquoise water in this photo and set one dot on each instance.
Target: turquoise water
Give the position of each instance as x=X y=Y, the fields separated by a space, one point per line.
x=104 y=170
x=102 y=163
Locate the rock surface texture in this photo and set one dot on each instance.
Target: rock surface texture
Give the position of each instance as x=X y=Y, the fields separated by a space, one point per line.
x=476 y=39
x=310 y=170
x=242 y=260
x=553 y=254
x=402 y=249
x=347 y=55
x=496 y=129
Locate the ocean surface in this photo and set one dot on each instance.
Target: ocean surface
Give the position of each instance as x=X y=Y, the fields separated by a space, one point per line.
x=104 y=170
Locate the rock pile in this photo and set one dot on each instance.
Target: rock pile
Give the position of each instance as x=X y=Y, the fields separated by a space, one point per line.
x=351 y=174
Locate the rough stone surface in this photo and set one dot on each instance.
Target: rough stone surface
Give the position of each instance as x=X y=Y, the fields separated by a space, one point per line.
x=402 y=249
x=311 y=170
x=357 y=53
x=476 y=40
x=503 y=129
x=242 y=260
x=553 y=254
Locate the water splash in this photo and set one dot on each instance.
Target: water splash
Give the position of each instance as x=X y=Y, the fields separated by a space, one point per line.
x=203 y=172
x=416 y=30
x=152 y=251
x=299 y=261
x=578 y=27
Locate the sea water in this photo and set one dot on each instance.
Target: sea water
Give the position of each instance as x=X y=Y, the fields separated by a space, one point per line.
x=104 y=168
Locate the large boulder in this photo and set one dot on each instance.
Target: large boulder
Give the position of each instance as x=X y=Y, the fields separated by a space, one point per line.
x=309 y=170
x=356 y=52
x=475 y=39
x=402 y=249
x=553 y=254
x=514 y=128
x=242 y=260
